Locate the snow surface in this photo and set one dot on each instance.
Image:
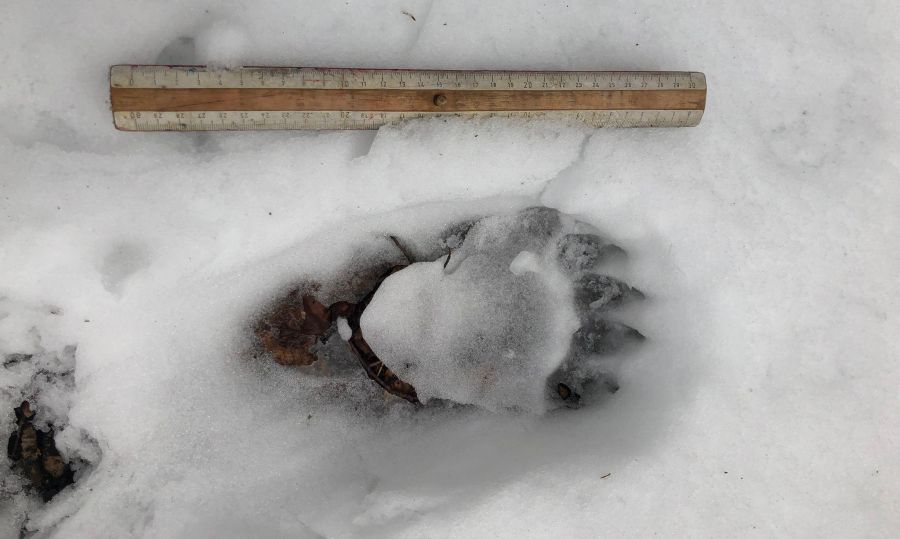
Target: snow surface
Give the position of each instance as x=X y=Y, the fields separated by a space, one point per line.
x=486 y=326
x=764 y=401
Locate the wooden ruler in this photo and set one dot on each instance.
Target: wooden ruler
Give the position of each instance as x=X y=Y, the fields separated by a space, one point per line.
x=191 y=98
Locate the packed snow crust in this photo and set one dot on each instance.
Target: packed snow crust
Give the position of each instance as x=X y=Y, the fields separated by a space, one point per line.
x=486 y=326
x=764 y=401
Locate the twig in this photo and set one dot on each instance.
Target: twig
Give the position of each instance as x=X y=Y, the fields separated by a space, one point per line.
x=402 y=249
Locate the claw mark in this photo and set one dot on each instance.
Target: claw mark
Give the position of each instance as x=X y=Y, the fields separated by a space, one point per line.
x=449 y=252
x=601 y=292
x=603 y=337
x=408 y=14
x=580 y=252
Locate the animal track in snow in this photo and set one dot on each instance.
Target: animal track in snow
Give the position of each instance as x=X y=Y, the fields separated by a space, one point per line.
x=516 y=317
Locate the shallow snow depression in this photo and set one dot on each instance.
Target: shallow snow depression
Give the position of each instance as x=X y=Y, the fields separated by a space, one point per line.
x=763 y=401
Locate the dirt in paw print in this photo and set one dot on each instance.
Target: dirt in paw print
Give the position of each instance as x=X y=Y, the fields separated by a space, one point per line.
x=34 y=451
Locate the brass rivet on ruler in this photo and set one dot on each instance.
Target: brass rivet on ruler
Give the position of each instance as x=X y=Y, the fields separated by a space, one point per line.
x=440 y=99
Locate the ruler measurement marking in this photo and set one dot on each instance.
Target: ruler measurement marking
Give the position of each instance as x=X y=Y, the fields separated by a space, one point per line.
x=232 y=120
x=296 y=98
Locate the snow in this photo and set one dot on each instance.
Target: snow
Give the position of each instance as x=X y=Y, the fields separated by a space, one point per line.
x=132 y=267
x=472 y=330
x=496 y=323
x=344 y=329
